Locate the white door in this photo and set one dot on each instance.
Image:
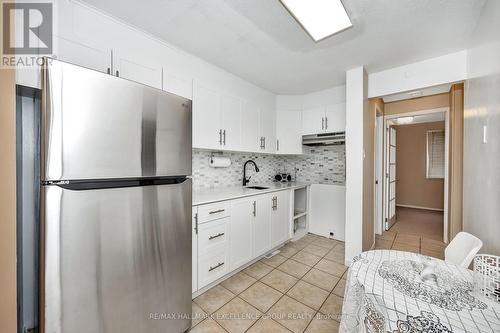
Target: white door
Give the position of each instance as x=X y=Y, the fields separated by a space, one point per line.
x=134 y=66
x=391 y=167
x=280 y=220
x=231 y=122
x=241 y=232
x=93 y=56
x=268 y=130
x=250 y=129
x=313 y=121
x=335 y=118
x=288 y=132
x=194 y=254
x=261 y=211
x=207 y=129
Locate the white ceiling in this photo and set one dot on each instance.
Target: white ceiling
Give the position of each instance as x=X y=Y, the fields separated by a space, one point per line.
x=259 y=41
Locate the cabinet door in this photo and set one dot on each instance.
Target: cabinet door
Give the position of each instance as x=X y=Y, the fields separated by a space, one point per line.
x=177 y=84
x=288 y=132
x=93 y=56
x=280 y=221
x=261 y=225
x=268 y=130
x=206 y=117
x=231 y=122
x=194 y=254
x=250 y=131
x=136 y=67
x=241 y=232
x=313 y=121
x=335 y=118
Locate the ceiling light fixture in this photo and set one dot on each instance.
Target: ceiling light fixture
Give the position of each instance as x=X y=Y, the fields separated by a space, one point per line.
x=319 y=18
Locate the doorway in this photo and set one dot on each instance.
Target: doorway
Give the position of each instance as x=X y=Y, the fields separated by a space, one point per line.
x=415 y=199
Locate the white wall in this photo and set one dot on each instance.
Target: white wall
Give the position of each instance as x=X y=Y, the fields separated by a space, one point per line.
x=481 y=212
x=76 y=21
x=328 y=96
x=356 y=100
x=431 y=72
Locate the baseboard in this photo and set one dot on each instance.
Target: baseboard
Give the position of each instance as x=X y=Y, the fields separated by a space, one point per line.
x=420 y=207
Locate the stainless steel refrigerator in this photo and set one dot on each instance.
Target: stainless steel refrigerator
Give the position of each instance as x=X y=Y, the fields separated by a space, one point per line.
x=115 y=205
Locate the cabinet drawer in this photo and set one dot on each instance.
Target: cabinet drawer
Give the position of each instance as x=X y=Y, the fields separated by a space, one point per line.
x=213 y=235
x=213 y=211
x=212 y=266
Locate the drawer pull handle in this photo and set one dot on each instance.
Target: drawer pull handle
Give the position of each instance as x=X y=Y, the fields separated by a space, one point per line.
x=216 y=236
x=216 y=211
x=215 y=267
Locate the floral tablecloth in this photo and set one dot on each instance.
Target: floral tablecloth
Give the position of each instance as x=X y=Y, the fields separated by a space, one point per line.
x=385 y=292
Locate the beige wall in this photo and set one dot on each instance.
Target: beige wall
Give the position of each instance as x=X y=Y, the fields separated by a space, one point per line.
x=418 y=104
x=369 y=171
x=455 y=171
x=413 y=188
x=7 y=202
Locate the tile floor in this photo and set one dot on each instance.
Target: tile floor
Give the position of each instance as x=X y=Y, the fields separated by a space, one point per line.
x=411 y=243
x=300 y=289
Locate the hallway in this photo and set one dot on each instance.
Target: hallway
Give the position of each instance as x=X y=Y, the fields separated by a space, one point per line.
x=420 y=222
x=417 y=230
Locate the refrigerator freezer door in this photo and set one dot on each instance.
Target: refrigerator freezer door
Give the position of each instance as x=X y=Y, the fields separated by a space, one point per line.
x=117 y=260
x=97 y=126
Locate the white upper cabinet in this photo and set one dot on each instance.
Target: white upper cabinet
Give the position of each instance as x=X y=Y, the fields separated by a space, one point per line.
x=267 y=131
x=207 y=130
x=91 y=55
x=231 y=122
x=250 y=124
x=335 y=118
x=313 y=121
x=288 y=132
x=324 y=119
x=136 y=67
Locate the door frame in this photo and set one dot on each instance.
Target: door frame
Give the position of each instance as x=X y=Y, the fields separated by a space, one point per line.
x=387 y=118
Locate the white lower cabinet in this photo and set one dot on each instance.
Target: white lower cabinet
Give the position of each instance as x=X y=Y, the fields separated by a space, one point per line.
x=194 y=244
x=241 y=232
x=261 y=231
x=232 y=233
x=280 y=217
x=212 y=266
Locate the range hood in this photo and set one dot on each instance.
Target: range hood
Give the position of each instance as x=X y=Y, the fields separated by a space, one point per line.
x=324 y=139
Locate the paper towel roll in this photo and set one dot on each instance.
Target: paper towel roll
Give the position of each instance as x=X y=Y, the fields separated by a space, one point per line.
x=219 y=162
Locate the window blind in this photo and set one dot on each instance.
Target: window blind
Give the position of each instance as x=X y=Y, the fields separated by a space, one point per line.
x=435 y=154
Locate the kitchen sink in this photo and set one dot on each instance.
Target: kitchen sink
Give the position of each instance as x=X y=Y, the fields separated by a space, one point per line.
x=258 y=187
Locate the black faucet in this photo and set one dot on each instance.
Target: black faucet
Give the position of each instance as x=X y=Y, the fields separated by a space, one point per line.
x=245 y=179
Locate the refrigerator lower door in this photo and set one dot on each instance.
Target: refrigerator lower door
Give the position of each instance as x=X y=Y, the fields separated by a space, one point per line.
x=117 y=260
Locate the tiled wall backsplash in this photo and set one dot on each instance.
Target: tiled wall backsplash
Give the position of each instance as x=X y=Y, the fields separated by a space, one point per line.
x=322 y=165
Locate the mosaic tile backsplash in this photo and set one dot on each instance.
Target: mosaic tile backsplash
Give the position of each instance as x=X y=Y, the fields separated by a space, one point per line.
x=320 y=165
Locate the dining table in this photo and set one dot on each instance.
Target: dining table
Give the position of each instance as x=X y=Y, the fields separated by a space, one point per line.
x=397 y=291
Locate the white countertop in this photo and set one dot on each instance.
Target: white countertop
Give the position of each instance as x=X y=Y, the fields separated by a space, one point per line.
x=209 y=195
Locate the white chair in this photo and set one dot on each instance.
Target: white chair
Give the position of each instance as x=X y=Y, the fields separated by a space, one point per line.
x=462 y=249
